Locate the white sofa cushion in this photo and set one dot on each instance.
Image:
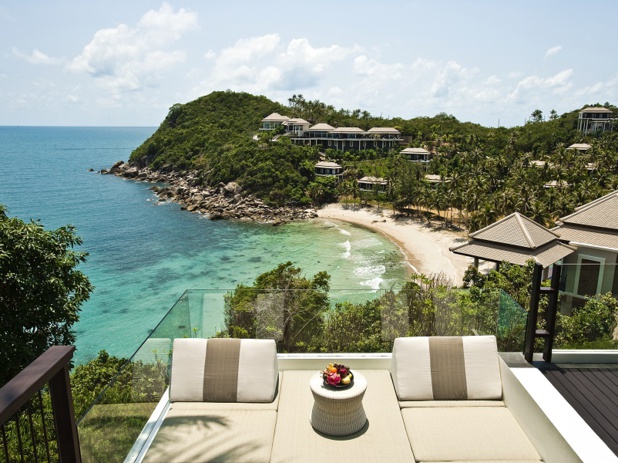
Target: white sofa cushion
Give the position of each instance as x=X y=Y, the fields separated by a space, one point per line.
x=223 y=370
x=466 y=434
x=202 y=435
x=446 y=368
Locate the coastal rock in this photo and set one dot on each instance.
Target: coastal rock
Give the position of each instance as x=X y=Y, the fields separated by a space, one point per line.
x=224 y=201
x=116 y=167
x=232 y=189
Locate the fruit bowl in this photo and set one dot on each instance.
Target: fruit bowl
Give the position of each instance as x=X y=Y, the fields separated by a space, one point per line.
x=338 y=376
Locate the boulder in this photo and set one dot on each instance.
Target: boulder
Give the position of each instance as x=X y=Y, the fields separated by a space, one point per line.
x=232 y=189
x=116 y=167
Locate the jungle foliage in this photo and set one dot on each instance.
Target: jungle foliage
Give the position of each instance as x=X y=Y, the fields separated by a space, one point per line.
x=296 y=311
x=487 y=172
x=41 y=290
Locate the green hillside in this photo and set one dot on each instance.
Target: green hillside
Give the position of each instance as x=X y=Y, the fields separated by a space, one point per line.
x=488 y=172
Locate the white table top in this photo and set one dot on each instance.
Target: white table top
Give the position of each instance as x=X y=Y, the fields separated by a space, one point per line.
x=318 y=387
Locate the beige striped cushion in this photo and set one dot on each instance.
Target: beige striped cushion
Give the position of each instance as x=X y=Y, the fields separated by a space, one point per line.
x=446 y=368
x=223 y=370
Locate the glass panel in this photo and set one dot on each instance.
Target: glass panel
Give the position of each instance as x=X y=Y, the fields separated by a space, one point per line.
x=587 y=304
x=301 y=321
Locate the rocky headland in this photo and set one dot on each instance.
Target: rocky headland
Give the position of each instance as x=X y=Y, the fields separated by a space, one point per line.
x=225 y=201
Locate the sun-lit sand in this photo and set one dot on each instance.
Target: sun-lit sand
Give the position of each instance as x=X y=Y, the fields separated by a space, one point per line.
x=426 y=248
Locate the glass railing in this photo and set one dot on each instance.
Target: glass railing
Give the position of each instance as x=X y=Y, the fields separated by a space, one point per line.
x=587 y=304
x=305 y=321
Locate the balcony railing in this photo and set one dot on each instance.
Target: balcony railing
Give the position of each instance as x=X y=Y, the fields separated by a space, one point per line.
x=352 y=321
x=37 y=422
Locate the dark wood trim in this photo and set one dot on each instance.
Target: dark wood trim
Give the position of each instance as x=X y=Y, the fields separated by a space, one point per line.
x=22 y=387
x=51 y=367
x=64 y=417
x=533 y=313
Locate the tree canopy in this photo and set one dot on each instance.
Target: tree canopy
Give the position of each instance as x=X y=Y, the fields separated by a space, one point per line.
x=40 y=290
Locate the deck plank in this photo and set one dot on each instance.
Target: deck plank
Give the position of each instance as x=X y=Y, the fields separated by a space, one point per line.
x=593 y=393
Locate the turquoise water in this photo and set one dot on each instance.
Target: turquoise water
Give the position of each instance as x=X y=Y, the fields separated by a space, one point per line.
x=143 y=254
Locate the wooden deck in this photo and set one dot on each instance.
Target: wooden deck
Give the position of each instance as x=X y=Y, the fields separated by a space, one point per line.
x=593 y=393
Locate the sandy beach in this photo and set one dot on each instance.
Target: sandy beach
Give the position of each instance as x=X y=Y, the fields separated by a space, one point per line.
x=426 y=248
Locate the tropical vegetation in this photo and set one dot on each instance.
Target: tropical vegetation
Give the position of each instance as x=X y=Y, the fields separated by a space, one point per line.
x=486 y=172
x=41 y=290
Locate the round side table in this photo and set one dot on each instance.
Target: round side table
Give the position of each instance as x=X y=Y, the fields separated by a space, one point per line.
x=338 y=412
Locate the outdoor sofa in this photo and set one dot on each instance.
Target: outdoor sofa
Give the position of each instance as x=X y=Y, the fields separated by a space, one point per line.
x=444 y=399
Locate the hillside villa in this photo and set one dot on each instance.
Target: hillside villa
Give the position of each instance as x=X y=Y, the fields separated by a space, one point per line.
x=301 y=132
x=594 y=119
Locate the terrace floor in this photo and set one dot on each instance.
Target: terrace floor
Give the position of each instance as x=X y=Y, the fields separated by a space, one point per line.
x=592 y=390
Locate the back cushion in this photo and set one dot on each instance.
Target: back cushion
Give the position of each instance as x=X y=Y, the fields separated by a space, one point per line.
x=224 y=370
x=446 y=368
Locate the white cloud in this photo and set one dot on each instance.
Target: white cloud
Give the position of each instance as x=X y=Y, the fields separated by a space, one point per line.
x=126 y=58
x=553 y=51
x=36 y=57
x=448 y=78
x=261 y=64
x=247 y=51
x=368 y=67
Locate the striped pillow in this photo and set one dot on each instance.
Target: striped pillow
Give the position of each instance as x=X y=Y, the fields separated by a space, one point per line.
x=224 y=370
x=446 y=368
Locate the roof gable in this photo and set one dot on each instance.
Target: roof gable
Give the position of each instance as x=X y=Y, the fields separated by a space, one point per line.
x=600 y=213
x=516 y=230
x=321 y=127
x=275 y=117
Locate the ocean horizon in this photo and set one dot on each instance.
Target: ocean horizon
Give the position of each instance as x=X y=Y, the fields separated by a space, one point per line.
x=143 y=253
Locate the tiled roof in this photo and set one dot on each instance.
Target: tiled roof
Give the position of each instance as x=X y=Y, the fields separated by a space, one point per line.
x=296 y=120
x=580 y=146
x=349 y=130
x=601 y=213
x=595 y=109
x=377 y=180
x=577 y=235
x=275 y=117
x=414 y=151
x=545 y=255
x=516 y=230
x=328 y=164
x=322 y=127
x=390 y=130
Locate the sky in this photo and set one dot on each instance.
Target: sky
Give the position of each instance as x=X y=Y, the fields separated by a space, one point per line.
x=125 y=63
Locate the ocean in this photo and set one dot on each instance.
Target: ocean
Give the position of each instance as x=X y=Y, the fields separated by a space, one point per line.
x=144 y=254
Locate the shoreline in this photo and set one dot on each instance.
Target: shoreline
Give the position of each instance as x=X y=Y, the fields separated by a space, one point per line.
x=425 y=248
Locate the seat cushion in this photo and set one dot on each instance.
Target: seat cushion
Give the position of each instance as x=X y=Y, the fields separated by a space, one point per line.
x=446 y=368
x=383 y=439
x=202 y=435
x=466 y=433
x=486 y=461
x=223 y=370
x=450 y=403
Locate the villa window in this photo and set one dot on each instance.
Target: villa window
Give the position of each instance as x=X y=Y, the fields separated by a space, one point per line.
x=589 y=276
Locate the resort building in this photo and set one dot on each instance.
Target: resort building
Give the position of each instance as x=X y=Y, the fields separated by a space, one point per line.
x=593 y=231
x=585 y=244
x=595 y=119
x=328 y=169
x=435 y=179
x=273 y=122
x=372 y=183
x=417 y=154
x=323 y=135
x=515 y=239
x=581 y=147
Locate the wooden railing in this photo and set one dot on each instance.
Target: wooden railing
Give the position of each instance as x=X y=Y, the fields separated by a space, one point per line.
x=51 y=369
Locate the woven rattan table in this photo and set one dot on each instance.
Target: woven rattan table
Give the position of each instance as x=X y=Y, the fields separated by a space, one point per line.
x=338 y=412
